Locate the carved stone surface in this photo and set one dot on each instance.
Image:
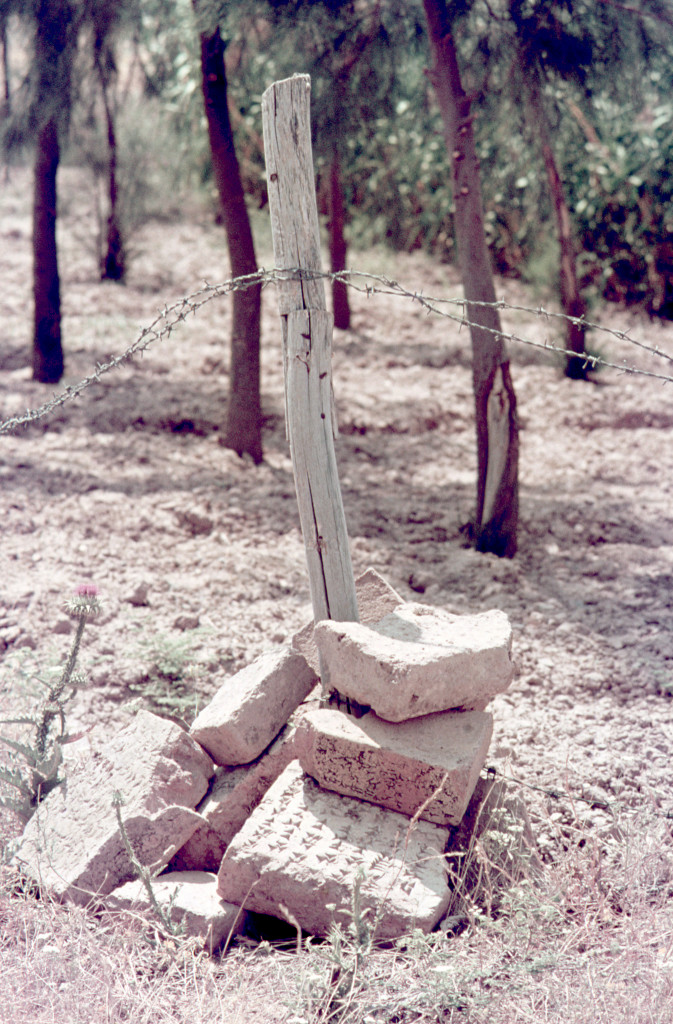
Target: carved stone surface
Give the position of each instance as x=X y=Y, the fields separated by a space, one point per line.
x=376 y=598
x=398 y=766
x=304 y=849
x=72 y=844
x=191 y=897
x=234 y=794
x=418 y=660
x=251 y=708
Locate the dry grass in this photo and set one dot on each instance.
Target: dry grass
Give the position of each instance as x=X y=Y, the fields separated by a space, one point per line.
x=588 y=938
x=63 y=964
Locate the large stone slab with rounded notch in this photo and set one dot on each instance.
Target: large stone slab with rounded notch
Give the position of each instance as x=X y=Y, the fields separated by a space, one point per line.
x=375 y=599
x=251 y=708
x=418 y=660
x=303 y=850
x=428 y=764
x=73 y=846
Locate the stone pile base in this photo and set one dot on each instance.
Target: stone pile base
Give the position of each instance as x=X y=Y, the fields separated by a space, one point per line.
x=278 y=804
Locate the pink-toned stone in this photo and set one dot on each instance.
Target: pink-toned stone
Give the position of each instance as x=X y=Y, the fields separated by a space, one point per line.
x=234 y=794
x=418 y=660
x=250 y=709
x=72 y=845
x=375 y=598
x=303 y=850
x=190 y=898
x=400 y=766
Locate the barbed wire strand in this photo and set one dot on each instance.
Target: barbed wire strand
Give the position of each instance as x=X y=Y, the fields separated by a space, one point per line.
x=172 y=315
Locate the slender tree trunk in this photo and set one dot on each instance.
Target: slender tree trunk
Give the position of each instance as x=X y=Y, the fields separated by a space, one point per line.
x=6 y=105
x=113 y=263
x=496 y=519
x=244 y=418
x=338 y=247
x=47 y=349
x=572 y=303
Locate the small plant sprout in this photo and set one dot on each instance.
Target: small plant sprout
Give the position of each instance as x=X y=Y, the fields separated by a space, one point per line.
x=43 y=756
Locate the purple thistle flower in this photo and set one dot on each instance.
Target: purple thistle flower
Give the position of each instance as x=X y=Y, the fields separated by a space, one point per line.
x=85 y=603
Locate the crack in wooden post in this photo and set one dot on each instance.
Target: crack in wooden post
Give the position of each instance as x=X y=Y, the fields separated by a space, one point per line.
x=307 y=344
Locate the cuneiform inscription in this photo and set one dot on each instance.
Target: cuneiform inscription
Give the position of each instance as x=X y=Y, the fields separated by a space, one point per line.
x=305 y=847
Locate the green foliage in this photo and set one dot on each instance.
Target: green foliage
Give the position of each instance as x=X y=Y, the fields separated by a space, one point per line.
x=167 y=687
x=397 y=172
x=622 y=194
x=52 y=27
x=150 y=186
x=34 y=769
x=168 y=43
x=605 y=78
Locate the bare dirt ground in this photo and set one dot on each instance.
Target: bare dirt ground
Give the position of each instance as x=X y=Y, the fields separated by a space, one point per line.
x=198 y=556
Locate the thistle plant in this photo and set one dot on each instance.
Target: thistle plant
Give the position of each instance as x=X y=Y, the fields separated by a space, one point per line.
x=145 y=875
x=43 y=756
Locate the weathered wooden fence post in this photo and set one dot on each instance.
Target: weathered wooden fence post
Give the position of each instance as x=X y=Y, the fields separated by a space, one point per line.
x=307 y=348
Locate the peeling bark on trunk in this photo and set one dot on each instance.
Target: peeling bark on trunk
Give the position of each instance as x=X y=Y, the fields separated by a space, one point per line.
x=338 y=247
x=243 y=430
x=496 y=518
x=572 y=303
x=47 y=349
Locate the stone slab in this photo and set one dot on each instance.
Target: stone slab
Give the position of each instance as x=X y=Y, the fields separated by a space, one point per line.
x=418 y=660
x=249 y=710
x=72 y=844
x=375 y=598
x=191 y=897
x=233 y=796
x=398 y=766
x=304 y=849
x=234 y=793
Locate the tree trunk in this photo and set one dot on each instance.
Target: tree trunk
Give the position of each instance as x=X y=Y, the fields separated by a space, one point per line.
x=338 y=247
x=47 y=349
x=6 y=104
x=244 y=418
x=496 y=519
x=572 y=303
x=113 y=263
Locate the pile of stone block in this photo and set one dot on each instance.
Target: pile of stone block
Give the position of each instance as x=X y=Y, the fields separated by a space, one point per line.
x=277 y=803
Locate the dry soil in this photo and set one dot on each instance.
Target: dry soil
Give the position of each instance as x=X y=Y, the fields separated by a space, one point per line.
x=197 y=553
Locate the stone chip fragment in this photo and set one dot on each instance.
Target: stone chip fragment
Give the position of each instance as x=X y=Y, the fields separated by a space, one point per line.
x=375 y=599
x=192 y=901
x=251 y=708
x=234 y=794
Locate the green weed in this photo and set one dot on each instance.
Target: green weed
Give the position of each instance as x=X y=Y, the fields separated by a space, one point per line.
x=33 y=769
x=172 y=670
